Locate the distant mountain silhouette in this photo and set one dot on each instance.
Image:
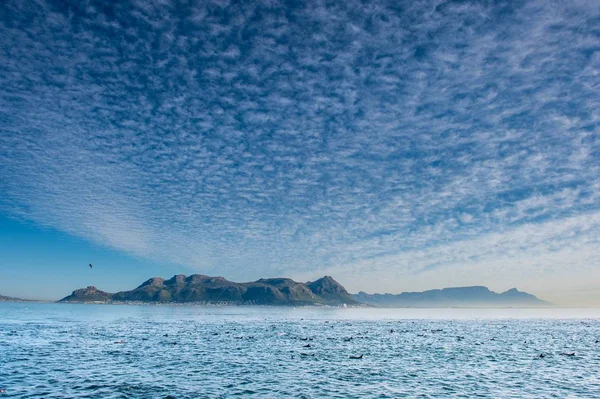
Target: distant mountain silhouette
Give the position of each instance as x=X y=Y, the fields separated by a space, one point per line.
x=11 y=299
x=205 y=289
x=476 y=296
x=284 y=291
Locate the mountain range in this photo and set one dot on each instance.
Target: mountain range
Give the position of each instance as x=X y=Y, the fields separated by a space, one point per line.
x=284 y=291
x=204 y=289
x=476 y=296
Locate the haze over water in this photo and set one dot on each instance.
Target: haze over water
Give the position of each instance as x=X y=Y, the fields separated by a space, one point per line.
x=104 y=351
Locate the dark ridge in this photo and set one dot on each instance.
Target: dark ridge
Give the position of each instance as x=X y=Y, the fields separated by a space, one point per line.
x=206 y=289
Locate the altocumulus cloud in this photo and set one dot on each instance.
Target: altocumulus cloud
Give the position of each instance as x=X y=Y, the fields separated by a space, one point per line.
x=398 y=138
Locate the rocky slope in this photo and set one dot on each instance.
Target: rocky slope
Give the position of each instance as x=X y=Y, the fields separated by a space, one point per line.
x=206 y=289
x=89 y=294
x=453 y=297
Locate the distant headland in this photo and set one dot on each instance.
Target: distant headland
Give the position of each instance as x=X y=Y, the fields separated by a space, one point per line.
x=13 y=299
x=284 y=291
x=476 y=296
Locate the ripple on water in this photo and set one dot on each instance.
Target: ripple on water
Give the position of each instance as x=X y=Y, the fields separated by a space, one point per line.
x=56 y=351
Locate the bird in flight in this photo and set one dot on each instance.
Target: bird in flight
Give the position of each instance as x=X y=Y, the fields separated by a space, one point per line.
x=91 y=266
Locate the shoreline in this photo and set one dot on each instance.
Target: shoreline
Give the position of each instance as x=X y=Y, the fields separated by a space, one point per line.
x=308 y=306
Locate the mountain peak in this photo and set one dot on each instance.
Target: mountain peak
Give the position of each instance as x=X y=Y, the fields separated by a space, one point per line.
x=154 y=281
x=327 y=286
x=177 y=279
x=88 y=294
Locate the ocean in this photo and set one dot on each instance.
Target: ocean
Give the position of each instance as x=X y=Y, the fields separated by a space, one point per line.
x=144 y=351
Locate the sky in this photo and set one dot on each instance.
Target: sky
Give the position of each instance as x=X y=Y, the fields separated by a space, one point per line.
x=395 y=145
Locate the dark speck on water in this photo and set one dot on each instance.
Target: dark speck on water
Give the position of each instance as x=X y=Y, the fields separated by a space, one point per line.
x=64 y=350
x=568 y=354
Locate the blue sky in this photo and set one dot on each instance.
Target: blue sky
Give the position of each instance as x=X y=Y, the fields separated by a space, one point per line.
x=394 y=145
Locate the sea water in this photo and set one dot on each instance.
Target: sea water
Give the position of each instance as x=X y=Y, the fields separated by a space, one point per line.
x=119 y=351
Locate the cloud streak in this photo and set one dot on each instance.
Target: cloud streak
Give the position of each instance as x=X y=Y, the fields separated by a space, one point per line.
x=251 y=138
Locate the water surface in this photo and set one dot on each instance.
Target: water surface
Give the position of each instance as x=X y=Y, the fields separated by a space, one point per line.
x=118 y=351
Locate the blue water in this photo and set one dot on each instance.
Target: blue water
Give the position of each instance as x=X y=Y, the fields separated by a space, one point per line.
x=111 y=351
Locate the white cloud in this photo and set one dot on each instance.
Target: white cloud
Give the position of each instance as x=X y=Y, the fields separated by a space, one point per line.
x=249 y=140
